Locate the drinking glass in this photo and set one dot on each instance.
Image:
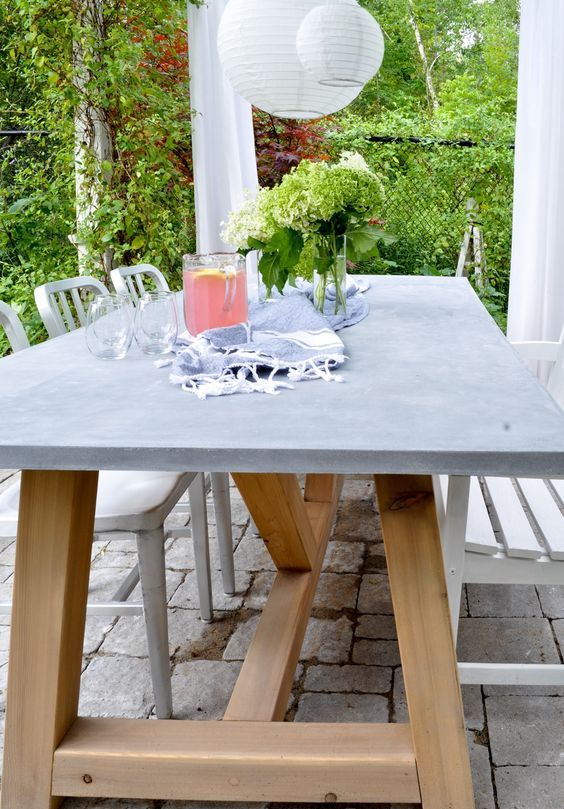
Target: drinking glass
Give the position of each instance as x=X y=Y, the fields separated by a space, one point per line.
x=109 y=326
x=156 y=324
x=215 y=291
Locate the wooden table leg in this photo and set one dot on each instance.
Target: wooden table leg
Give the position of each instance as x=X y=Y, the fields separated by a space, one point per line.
x=296 y=532
x=56 y=522
x=428 y=657
x=258 y=757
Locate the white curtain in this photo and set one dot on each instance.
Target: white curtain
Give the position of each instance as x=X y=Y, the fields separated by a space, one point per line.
x=536 y=292
x=223 y=144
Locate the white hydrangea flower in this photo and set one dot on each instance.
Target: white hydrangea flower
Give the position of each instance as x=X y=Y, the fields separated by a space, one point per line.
x=353 y=160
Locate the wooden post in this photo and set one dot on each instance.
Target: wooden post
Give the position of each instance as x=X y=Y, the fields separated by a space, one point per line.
x=428 y=658
x=53 y=546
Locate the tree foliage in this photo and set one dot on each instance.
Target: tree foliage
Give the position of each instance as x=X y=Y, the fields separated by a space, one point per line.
x=138 y=75
x=449 y=72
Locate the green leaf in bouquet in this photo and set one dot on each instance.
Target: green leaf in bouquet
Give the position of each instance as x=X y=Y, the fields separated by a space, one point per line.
x=273 y=272
x=288 y=244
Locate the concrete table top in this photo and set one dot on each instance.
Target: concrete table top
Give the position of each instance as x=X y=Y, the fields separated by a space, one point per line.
x=430 y=386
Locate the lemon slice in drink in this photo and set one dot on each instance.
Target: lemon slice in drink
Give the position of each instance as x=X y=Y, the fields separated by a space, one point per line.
x=211 y=272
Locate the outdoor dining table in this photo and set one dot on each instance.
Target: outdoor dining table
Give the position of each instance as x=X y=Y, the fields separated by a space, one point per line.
x=430 y=386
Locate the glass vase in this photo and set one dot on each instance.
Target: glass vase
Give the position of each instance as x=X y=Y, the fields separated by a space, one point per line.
x=330 y=275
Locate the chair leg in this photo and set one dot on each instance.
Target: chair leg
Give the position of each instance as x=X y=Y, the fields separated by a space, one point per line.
x=222 y=506
x=150 y=547
x=200 y=538
x=454 y=529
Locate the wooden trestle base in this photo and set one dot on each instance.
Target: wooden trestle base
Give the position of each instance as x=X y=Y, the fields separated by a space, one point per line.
x=252 y=755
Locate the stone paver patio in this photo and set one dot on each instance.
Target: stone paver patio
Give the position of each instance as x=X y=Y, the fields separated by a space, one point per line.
x=349 y=669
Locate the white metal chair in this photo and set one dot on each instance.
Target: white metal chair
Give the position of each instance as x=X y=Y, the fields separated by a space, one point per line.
x=132 y=280
x=52 y=300
x=138 y=503
x=514 y=535
x=12 y=325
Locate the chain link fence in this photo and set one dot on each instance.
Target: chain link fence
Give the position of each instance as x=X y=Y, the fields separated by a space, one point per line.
x=428 y=184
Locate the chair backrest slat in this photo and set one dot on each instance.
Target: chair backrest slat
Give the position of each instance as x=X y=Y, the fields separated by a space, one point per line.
x=558 y=486
x=130 y=280
x=66 y=311
x=516 y=532
x=53 y=304
x=13 y=327
x=79 y=306
x=132 y=288
x=546 y=514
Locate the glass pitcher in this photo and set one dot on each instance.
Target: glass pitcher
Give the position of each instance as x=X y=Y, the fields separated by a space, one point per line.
x=215 y=291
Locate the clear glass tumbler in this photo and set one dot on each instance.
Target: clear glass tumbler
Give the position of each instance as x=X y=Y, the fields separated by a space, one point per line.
x=109 y=326
x=156 y=323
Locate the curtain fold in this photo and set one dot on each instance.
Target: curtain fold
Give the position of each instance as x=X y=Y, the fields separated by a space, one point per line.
x=536 y=290
x=223 y=145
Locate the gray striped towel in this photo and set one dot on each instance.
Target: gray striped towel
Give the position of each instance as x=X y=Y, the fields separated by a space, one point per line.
x=284 y=341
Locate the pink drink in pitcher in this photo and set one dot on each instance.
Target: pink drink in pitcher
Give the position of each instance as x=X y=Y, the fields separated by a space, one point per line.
x=215 y=291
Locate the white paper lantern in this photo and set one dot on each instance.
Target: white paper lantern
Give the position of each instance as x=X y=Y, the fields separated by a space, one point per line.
x=340 y=45
x=257 y=49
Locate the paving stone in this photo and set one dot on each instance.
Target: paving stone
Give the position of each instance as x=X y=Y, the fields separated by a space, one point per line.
x=129 y=635
x=342 y=708
x=503 y=600
x=328 y=641
x=8 y=554
x=526 y=730
x=366 y=679
x=6 y=572
x=552 y=600
x=104 y=581
x=336 y=591
x=260 y=590
x=201 y=688
x=97 y=547
x=375 y=557
x=481 y=773
x=376 y=652
x=400 y=712
x=121 y=559
x=239 y=511
x=356 y=520
x=473 y=706
x=378 y=627
x=530 y=787
x=506 y=640
x=240 y=641
x=251 y=554
x=116 y=686
x=359 y=487
x=187 y=595
x=558 y=627
x=180 y=554
x=344 y=557
x=374 y=596
x=96 y=629
x=174 y=579
x=463 y=611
